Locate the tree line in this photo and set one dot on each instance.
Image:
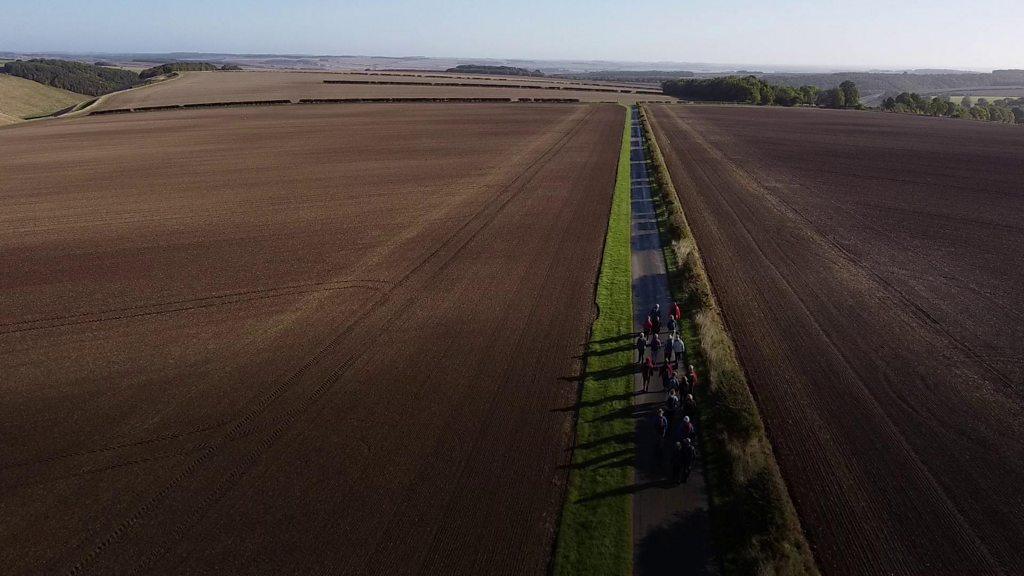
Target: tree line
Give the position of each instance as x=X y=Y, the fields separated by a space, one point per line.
x=1006 y=110
x=73 y=76
x=182 y=67
x=753 y=90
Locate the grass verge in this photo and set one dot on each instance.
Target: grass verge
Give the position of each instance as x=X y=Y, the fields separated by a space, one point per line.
x=754 y=524
x=595 y=535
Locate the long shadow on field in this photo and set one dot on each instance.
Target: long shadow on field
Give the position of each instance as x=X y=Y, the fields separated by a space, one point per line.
x=678 y=547
x=594 y=403
x=603 y=459
x=626 y=336
x=606 y=351
x=615 y=438
x=627 y=490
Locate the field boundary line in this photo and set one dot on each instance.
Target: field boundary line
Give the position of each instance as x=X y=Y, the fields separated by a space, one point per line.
x=595 y=534
x=755 y=528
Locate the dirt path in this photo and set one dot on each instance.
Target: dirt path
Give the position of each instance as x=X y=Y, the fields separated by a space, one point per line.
x=670 y=522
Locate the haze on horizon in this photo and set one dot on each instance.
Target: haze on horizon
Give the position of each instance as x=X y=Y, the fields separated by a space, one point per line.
x=982 y=35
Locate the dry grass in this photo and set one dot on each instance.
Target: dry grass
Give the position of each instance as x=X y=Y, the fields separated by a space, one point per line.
x=755 y=526
x=21 y=99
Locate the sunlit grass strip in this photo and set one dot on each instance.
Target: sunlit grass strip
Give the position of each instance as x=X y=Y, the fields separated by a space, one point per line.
x=596 y=534
x=755 y=527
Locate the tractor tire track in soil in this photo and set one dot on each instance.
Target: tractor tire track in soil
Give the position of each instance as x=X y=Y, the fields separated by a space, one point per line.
x=830 y=239
x=423 y=433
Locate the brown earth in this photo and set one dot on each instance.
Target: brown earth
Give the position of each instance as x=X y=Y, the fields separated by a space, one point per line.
x=294 y=340
x=201 y=87
x=870 y=268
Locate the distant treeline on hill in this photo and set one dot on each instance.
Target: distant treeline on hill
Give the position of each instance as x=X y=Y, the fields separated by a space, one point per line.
x=752 y=90
x=182 y=67
x=496 y=70
x=1007 y=110
x=642 y=76
x=73 y=76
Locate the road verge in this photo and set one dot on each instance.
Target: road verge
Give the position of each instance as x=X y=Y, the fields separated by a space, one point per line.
x=595 y=533
x=755 y=527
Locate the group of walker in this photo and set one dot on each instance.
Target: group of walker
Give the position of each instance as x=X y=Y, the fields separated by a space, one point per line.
x=673 y=421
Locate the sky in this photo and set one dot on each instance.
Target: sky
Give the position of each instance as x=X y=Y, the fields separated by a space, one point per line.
x=979 y=34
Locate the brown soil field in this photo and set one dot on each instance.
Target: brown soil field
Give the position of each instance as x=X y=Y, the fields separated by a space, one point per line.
x=295 y=339
x=201 y=87
x=870 y=269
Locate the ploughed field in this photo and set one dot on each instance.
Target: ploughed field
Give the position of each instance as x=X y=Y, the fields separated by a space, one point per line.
x=331 y=338
x=870 y=268
x=207 y=87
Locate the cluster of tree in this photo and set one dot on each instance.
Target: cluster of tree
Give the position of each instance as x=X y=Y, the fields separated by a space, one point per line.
x=880 y=82
x=74 y=76
x=1007 y=110
x=177 y=67
x=753 y=90
x=496 y=70
x=231 y=67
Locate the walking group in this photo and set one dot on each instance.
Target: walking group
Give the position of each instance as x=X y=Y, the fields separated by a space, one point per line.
x=674 y=420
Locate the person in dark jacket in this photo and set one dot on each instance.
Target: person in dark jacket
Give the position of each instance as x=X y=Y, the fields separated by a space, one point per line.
x=672 y=405
x=689 y=406
x=641 y=345
x=683 y=456
x=671 y=326
x=667 y=373
x=646 y=371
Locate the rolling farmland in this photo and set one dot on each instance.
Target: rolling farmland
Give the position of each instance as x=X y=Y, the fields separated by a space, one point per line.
x=21 y=98
x=870 y=269
x=295 y=339
x=203 y=87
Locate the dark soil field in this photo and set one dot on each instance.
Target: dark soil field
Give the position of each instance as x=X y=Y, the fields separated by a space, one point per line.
x=310 y=339
x=870 y=268
x=202 y=87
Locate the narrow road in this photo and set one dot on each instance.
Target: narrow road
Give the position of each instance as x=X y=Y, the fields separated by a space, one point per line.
x=670 y=522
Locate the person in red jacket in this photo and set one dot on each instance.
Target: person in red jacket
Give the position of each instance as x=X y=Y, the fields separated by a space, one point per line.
x=676 y=312
x=648 y=326
x=646 y=371
x=692 y=376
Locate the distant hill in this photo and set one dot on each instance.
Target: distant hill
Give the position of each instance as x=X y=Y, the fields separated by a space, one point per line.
x=495 y=70
x=72 y=76
x=177 y=67
x=638 y=76
x=21 y=99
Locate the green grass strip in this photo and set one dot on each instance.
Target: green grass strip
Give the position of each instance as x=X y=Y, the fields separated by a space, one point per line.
x=596 y=532
x=755 y=528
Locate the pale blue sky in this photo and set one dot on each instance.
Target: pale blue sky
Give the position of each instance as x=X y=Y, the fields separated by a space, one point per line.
x=869 y=33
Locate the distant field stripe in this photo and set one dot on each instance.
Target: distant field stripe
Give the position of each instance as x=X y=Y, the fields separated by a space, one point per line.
x=595 y=535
